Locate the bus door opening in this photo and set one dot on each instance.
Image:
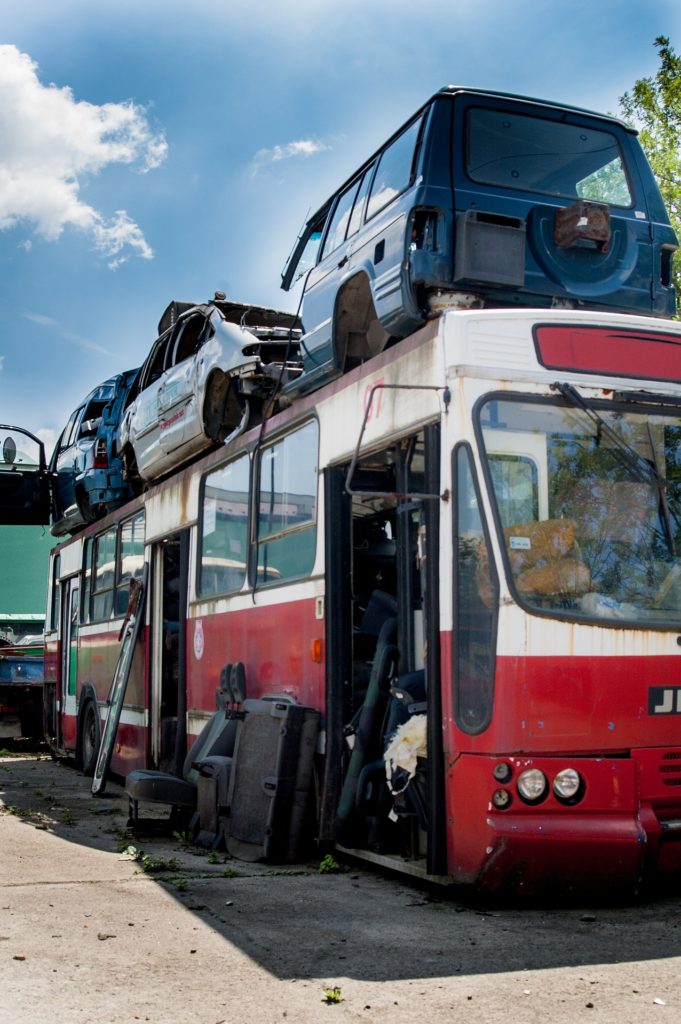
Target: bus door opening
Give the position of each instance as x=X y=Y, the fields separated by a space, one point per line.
x=69 y=666
x=60 y=695
x=168 y=676
x=387 y=684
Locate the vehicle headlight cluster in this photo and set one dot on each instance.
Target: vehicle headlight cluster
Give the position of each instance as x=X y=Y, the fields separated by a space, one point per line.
x=533 y=786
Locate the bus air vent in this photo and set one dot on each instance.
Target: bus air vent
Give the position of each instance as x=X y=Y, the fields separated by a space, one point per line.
x=670 y=768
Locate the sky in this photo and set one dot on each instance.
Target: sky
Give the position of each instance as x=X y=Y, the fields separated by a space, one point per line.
x=152 y=151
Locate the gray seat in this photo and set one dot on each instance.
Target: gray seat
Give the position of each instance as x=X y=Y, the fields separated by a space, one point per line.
x=216 y=740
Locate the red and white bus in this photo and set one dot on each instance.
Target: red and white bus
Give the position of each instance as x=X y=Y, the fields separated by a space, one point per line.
x=476 y=531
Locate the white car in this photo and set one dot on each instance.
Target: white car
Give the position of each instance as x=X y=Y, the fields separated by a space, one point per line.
x=207 y=376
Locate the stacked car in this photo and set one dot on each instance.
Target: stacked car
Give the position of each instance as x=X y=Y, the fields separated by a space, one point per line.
x=210 y=373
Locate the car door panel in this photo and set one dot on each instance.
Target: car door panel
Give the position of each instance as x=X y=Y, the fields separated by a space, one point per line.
x=24 y=486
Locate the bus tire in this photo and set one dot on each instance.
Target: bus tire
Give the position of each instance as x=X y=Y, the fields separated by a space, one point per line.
x=89 y=737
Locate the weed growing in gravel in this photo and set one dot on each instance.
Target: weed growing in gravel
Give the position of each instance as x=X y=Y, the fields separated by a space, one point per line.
x=329 y=865
x=183 y=838
x=274 y=872
x=155 y=865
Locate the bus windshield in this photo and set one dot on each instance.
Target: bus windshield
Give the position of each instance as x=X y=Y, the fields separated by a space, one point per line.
x=589 y=506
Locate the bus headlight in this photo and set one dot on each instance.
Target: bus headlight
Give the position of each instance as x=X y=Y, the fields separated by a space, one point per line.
x=567 y=784
x=532 y=785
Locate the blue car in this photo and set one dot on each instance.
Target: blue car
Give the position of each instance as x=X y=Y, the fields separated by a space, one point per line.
x=480 y=199
x=86 y=471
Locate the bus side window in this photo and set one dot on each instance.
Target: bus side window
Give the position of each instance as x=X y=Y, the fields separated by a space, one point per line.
x=130 y=559
x=476 y=596
x=87 y=578
x=223 y=554
x=103 y=575
x=55 y=598
x=286 y=528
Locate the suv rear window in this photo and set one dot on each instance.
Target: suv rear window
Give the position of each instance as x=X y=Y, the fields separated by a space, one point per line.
x=537 y=155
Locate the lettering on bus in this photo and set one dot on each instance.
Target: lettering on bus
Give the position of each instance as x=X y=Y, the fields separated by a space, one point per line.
x=373 y=394
x=664 y=700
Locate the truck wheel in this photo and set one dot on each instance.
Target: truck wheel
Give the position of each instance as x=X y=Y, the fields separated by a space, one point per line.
x=89 y=737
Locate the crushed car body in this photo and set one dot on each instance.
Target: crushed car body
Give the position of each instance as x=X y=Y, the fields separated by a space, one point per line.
x=208 y=375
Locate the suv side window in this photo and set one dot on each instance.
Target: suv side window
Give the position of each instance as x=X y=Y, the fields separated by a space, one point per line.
x=339 y=222
x=393 y=173
x=358 y=208
x=70 y=430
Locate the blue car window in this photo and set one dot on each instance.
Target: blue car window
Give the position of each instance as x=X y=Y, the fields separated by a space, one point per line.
x=70 y=430
x=358 y=208
x=339 y=222
x=536 y=154
x=393 y=173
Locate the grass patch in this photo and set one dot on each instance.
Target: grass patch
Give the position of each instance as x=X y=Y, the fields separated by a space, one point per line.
x=329 y=865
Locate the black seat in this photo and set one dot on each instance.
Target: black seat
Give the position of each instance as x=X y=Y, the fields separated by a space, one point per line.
x=374 y=800
x=216 y=740
x=367 y=731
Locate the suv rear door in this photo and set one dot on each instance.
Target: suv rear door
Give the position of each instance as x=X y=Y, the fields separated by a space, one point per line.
x=24 y=483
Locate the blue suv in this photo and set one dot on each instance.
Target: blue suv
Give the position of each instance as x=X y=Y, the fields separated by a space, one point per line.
x=480 y=199
x=86 y=471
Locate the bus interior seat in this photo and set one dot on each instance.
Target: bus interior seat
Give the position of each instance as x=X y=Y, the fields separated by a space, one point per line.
x=379 y=607
x=366 y=727
x=214 y=771
x=268 y=812
x=374 y=799
x=216 y=740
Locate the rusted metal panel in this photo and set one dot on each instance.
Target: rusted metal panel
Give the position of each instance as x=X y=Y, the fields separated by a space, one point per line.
x=583 y=221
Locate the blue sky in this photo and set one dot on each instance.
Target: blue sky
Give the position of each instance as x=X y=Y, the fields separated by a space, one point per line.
x=155 y=150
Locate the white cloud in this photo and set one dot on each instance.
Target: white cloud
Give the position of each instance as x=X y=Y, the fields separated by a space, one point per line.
x=50 y=143
x=48 y=437
x=302 y=147
x=75 y=339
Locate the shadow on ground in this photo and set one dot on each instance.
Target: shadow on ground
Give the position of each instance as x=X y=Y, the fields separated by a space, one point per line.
x=298 y=923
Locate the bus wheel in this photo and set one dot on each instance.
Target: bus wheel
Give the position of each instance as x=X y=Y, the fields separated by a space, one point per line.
x=89 y=738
